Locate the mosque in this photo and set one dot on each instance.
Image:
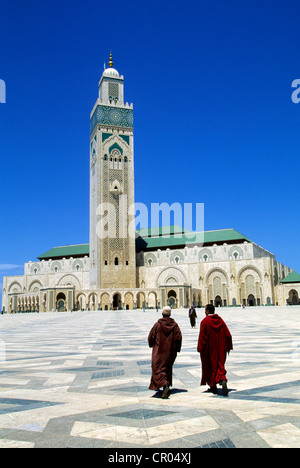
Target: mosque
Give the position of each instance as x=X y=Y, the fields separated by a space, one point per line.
x=153 y=267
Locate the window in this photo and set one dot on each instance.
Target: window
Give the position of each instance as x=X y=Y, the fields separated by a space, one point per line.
x=105 y=262
x=116 y=261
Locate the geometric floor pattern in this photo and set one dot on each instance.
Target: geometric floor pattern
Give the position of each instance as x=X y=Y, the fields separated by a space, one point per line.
x=81 y=380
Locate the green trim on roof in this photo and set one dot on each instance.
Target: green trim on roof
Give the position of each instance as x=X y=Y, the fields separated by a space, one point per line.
x=178 y=239
x=161 y=231
x=66 y=251
x=157 y=238
x=293 y=277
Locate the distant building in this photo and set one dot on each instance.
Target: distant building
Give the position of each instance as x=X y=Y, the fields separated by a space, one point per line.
x=161 y=266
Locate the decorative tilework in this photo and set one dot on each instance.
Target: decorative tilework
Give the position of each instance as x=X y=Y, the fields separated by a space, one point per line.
x=113 y=116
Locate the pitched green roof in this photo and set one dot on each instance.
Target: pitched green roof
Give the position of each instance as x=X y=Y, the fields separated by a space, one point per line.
x=293 y=277
x=157 y=238
x=66 y=251
x=161 y=231
x=189 y=238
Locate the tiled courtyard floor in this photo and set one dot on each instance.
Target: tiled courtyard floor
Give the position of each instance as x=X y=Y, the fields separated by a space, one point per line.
x=81 y=380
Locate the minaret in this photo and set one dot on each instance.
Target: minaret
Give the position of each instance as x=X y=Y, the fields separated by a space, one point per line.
x=112 y=249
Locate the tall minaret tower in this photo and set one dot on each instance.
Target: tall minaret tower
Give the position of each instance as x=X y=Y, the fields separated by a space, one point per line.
x=112 y=240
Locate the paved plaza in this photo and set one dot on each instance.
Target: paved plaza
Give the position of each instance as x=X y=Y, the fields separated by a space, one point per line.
x=81 y=380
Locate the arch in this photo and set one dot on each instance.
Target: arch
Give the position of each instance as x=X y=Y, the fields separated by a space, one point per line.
x=61 y=302
x=216 y=271
x=77 y=265
x=115 y=148
x=55 y=267
x=172 y=299
x=171 y=280
x=150 y=259
x=217 y=282
x=251 y=300
x=93 y=301
x=16 y=285
x=171 y=272
x=218 y=301
x=249 y=268
x=249 y=281
x=205 y=255
x=152 y=300
x=115 y=142
x=35 y=285
x=35 y=268
x=177 y=257
x=128 y=301
x=293 y=298
x=140 y=300
x=235 y=253
x=105 y=301
x=69 y=279
x=117 y=301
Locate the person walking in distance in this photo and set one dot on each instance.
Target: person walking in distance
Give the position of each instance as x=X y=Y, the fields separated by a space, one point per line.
x=165 y=339
x=214 y=342
x=192 y=316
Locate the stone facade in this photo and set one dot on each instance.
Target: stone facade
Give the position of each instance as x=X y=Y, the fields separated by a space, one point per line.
x=118 y=271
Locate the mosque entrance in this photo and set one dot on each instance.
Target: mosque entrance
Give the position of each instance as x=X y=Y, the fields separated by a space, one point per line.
x=61 y=302
x=218 y=301
x=172 y=299
x=117 y=303
x=293 y=298
x=251 y=300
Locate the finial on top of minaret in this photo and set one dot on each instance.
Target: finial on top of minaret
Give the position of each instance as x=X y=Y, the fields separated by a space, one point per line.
x=110 y=63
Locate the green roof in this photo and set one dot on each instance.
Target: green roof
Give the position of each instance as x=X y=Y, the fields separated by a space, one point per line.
x=293 y=277
x=190 y=238
x=66 y=251
x=161 y=231
x=157 y=238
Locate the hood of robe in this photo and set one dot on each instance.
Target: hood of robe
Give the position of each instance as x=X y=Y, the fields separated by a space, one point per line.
x=215 y=321
x=167 y=324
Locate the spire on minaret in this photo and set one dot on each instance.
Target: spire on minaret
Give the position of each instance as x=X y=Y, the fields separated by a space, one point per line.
x=110 y=63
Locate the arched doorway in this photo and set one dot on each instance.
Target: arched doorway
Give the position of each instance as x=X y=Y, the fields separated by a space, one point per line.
x=251 y=300
x=172 y=299
x=218 y=301
x=128 y=301
x=141 y=302
x=293 y=297
x=117 y=302
x=61 y=302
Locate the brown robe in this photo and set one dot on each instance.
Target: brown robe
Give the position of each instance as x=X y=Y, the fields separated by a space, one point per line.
x=165 y=338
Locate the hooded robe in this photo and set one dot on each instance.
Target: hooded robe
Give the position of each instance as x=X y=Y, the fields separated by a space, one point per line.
x=215 y=341
x=192 y=316
x=165 y=338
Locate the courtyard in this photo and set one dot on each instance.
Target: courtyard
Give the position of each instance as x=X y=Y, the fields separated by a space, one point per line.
x=81 y=380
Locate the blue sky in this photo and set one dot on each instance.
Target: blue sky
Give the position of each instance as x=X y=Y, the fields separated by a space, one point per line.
x=213 y=116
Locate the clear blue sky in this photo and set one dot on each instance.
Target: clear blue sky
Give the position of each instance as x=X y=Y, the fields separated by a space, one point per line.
x=214 y=120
